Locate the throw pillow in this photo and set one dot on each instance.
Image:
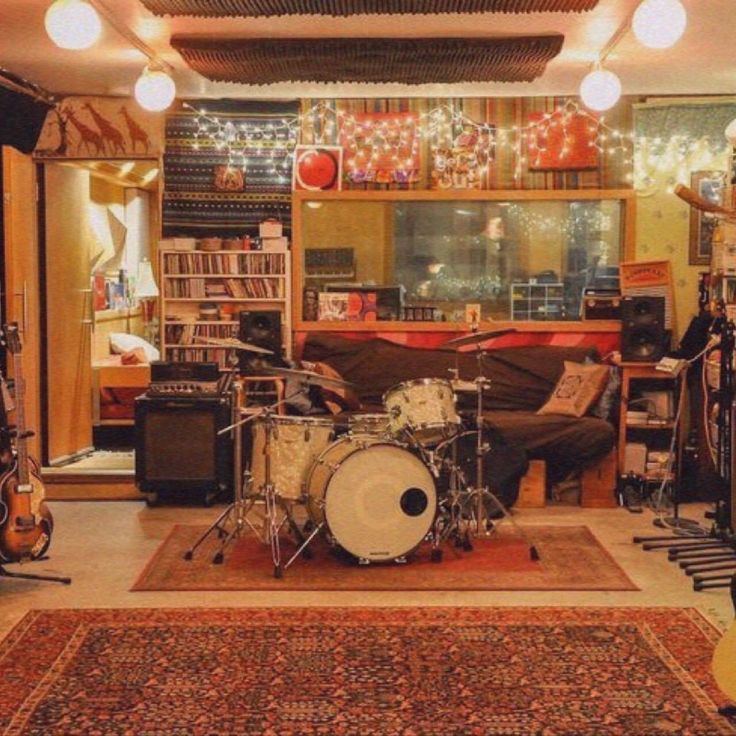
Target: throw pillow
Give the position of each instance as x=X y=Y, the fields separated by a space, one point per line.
x=121 y=342
x=579 y=386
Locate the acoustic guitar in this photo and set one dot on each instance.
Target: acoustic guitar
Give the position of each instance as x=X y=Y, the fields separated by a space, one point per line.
x=25 y=521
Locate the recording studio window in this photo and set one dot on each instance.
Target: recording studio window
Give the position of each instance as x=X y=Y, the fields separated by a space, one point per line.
x=520 y=259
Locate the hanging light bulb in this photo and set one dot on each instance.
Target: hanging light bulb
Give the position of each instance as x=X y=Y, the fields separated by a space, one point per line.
x=731 y=132
x=73 y=24
x=659 y=24
x=600 y=89
x=155 y=89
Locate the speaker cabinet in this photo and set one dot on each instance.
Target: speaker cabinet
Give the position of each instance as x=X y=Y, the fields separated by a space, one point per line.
x=264 y=330
x=178 y=451
x=643 y=335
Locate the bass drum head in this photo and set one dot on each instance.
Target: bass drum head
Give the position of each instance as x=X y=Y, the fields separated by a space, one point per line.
x=380 y=503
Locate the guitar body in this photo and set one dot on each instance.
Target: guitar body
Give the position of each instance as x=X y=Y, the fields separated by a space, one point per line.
x=25 y=533
x=724 y=663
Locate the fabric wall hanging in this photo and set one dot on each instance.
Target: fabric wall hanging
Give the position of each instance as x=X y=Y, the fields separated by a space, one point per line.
x=380 y=60
x=255 y=8
x=565 y=144
x=199 y=198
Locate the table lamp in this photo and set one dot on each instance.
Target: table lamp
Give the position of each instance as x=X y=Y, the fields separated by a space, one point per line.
x=147 y=292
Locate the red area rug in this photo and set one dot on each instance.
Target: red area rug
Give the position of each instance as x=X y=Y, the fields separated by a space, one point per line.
x=360 y=672
x=571 y=559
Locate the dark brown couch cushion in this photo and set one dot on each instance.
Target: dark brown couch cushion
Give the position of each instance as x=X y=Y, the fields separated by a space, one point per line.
x=521 y=377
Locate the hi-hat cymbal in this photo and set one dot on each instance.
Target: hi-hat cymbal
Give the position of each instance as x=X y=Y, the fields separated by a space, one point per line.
x=313 y=379
x=235 y=344
x=477 y=337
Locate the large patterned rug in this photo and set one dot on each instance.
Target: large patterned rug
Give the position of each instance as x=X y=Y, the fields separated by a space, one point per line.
x=360 y=672
x=571 y=559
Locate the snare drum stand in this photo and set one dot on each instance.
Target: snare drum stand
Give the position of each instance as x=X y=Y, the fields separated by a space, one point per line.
x=237 y=513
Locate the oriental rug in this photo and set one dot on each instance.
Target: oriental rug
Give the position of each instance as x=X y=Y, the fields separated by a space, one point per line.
x=571 y=559
x=360 y=672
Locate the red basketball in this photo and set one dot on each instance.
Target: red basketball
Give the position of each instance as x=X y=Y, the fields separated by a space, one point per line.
x=317 y=169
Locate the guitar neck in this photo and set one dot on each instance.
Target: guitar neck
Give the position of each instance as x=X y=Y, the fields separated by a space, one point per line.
x=21 y=442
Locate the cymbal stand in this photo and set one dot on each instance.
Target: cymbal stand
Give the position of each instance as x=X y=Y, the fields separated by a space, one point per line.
x=480 y=493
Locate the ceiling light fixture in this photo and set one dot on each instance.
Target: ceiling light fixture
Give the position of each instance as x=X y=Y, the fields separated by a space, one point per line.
x=73 y=24
x=659 y=24
x=600 y=89
x=155 y=89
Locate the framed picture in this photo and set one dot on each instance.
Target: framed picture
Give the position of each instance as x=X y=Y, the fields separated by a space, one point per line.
x=317 y=169
x=710 y=185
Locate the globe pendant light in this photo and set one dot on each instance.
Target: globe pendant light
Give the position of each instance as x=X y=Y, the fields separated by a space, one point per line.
x=659 y=24
x=600 y=89
x=73 y=24
x=155 y=90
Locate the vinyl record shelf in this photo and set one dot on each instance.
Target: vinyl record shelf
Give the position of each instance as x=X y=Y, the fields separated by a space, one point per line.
x=232 y=282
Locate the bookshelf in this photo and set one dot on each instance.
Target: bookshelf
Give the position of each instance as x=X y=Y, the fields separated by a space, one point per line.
x=228 y=281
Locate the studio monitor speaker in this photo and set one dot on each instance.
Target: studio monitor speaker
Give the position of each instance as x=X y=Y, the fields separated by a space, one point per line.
x=643 y=335
x=264 y=330
x=178 y=450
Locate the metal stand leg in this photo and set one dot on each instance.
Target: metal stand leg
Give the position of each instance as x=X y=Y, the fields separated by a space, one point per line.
x=32 y=576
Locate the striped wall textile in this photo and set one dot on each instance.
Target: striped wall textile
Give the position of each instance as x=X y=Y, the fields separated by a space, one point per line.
x=255 y=8
x=195 y=201
x=612 y=171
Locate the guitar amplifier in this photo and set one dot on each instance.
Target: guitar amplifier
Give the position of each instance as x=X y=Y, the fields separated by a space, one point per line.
x=178 y=451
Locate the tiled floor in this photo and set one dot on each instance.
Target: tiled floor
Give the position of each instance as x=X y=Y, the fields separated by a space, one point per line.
x=104 y=545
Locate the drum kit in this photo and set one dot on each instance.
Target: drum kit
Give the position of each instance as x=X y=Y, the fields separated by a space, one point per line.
x=379 y=491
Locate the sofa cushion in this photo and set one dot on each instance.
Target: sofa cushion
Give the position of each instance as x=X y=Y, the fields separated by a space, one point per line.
x=564 y=443
x=579 y=387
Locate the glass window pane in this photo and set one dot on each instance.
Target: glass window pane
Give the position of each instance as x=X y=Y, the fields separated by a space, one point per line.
x=520 y=260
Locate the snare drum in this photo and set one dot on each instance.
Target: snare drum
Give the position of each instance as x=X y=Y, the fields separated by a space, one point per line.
x=375 y=425
x=425 y=408
x=377 y=500
x=296 y=442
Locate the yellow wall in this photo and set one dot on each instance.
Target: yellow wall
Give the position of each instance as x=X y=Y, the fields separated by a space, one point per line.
x=663 y=220
x=367 y=227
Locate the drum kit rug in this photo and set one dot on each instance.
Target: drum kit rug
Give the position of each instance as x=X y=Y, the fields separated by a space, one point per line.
x=372 y=492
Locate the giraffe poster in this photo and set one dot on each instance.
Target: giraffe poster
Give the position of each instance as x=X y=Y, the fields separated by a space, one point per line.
x=100 y=128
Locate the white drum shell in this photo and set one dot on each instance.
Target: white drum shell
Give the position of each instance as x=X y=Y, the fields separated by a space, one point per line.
x=356 y=489
x=425 y=408
x=296 y=442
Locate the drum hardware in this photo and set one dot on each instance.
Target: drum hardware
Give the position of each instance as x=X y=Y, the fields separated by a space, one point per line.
x=232 y=522
x=235 y=344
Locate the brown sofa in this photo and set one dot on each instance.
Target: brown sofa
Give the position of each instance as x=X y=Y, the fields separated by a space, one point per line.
x=522 y=379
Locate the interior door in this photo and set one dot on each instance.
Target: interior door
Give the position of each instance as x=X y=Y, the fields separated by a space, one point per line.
x=68 y=311
x=22 y=302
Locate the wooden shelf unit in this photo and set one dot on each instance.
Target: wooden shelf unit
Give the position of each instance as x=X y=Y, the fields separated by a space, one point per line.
x=631 y=373
x=259 y=273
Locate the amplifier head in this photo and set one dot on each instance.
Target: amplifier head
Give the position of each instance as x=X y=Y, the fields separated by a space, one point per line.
x=170 y=371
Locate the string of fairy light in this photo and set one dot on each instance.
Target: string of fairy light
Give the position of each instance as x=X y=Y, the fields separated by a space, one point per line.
x=368 y=141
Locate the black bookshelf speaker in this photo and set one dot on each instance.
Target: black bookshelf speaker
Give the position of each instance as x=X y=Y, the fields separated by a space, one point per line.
x=178 y=451
x=264 y=330
x=644 y=338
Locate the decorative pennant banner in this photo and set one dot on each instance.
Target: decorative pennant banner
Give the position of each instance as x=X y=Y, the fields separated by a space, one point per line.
x=381 y=147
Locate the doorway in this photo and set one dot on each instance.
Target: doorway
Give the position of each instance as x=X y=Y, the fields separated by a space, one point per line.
x=100 y=228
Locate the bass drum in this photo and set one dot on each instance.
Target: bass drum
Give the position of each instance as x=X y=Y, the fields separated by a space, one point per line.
x=376 y=499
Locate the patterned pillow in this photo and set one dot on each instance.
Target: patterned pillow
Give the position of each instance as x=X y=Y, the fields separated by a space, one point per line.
x=576 y=391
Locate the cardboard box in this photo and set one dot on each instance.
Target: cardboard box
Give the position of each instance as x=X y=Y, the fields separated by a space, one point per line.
x=270 y=229
x=275 y=244
x=533 y=486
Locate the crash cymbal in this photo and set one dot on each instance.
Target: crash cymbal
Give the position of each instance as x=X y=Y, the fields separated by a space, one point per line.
x=475 y=338
x=313 y=379
x=235 y=344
